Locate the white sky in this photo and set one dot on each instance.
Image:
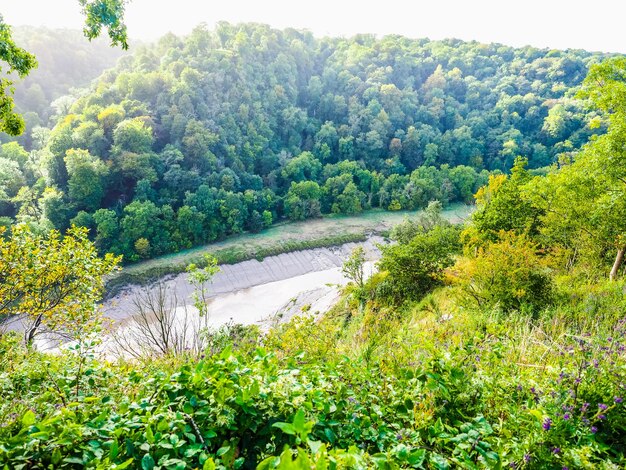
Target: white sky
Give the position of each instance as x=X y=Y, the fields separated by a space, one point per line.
x=598 y=25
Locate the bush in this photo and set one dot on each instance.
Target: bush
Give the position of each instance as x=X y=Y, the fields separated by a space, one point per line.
x=509 y=274
x=417 y=267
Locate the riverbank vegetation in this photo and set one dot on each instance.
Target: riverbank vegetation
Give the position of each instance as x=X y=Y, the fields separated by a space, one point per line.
x=286 y=237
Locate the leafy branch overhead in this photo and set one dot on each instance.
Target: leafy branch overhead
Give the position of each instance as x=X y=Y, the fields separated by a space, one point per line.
x=108 y=14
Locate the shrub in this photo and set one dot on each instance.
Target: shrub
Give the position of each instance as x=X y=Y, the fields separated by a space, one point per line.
x=417 y=267
x=508 y=273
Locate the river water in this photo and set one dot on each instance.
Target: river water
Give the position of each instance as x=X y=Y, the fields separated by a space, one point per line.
x=255 y=292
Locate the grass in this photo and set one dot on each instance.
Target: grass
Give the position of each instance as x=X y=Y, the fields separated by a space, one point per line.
x=331 y=230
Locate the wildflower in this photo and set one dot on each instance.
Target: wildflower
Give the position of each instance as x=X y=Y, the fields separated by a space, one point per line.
x=556 y=450
x=547 y=424
x=566 y=416
x=527 y=458
x=601 y=417
x=583 y=409
x=618 y=400
x=602 y=406
x=594 y=430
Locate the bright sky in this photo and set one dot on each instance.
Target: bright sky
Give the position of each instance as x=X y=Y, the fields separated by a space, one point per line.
x=594 y=25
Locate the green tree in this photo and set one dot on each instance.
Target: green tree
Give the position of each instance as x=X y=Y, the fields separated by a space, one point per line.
x=508 y=273
x=503 y=205
x=416 y=267
x=354 y=267
x=55 y=281
x=303 y=200
x=86 y=179
x=200 y=278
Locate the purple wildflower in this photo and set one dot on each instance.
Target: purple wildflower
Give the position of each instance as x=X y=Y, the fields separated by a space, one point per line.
x=601 y=417
x=556 y=450
x=618 y=400
x=594 y=430
x=602 y=406
x=566 y=416
x=547 y=424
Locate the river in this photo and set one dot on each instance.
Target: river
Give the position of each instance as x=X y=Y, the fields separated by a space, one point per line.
x=246 y=293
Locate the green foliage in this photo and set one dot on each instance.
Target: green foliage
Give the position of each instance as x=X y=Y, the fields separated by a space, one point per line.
x=433 y=397
x=200 y=278
x=509 y=274
x=417 y=266
x=216 y=144
x=502 y=206
x=108 y=14
x=54 y=281
x=417 y=374
x=20 y=62
x=353 y=267
x=98 y=13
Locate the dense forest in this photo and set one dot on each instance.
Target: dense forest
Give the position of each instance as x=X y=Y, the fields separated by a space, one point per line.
x=230 y=130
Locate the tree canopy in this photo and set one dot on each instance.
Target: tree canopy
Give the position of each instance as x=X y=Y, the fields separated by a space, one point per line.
x=221 y=131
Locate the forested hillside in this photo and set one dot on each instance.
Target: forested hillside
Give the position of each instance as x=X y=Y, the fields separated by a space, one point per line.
x=66 y=62
x=230 y=130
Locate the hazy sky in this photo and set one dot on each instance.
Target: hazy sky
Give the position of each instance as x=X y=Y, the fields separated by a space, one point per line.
x=593 y=25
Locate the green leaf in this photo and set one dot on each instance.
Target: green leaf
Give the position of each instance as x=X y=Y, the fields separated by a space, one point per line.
x=299 y=421
x=222 y=450
x=77 y=460
x=113 y=450
x=209 y=465
x=29 y=418
x=56 y=456
x=417 y=457
x=124 y=465
x=149 y=435
x=287 y=428
x=537 y=414
x=147 y=462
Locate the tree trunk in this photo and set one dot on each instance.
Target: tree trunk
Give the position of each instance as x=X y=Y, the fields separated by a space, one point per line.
x=619 y=259
x=29 y=335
